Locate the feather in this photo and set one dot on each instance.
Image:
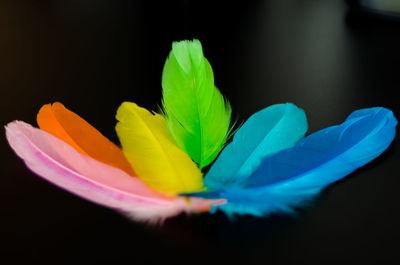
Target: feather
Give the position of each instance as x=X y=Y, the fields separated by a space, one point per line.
x=293 y=176
x=152 y=152
x=266 y=132
x=72 y=129
x=59 y=163
x=197 y=114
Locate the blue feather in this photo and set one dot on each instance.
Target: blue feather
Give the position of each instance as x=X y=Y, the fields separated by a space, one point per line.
x=293 y=176
x=266 y=132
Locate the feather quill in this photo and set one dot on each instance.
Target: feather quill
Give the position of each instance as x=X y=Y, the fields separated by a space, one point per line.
x=266 y=132
x=293 y=176
x=60 y=164
x=72 y=129
x=152 y=152
x=197 y=114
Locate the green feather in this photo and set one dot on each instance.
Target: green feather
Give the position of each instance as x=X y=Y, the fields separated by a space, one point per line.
x=197 y=114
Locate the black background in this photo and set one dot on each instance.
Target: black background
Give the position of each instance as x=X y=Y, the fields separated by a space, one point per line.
x=92 y=55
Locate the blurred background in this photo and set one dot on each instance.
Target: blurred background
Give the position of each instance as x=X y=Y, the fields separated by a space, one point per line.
x=328 y=57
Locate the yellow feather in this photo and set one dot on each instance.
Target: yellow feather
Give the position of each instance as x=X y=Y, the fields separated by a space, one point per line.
x=152 y=152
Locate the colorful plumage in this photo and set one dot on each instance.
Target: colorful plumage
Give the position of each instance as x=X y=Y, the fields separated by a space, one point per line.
x=266 y=132
x=197 y=114
x=293 y=176
x=59 y=163
x=268 y=167
x=152 y=152
x=72 y=129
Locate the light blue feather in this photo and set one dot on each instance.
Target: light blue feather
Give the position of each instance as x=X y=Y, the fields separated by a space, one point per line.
x=293 y=176
x=266 y=132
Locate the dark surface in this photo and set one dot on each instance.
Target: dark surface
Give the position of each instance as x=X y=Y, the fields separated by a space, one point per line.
x=94 y=54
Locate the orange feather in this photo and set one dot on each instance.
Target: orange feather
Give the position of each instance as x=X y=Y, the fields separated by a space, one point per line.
x=72 y=129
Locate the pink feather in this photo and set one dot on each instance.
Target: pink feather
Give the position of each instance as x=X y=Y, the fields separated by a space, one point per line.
x=59 y=163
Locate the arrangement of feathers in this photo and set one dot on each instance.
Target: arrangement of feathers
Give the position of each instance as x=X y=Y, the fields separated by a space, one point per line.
x=269 y=166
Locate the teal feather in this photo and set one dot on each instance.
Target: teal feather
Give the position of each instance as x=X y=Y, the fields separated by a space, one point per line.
x=266 y=132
